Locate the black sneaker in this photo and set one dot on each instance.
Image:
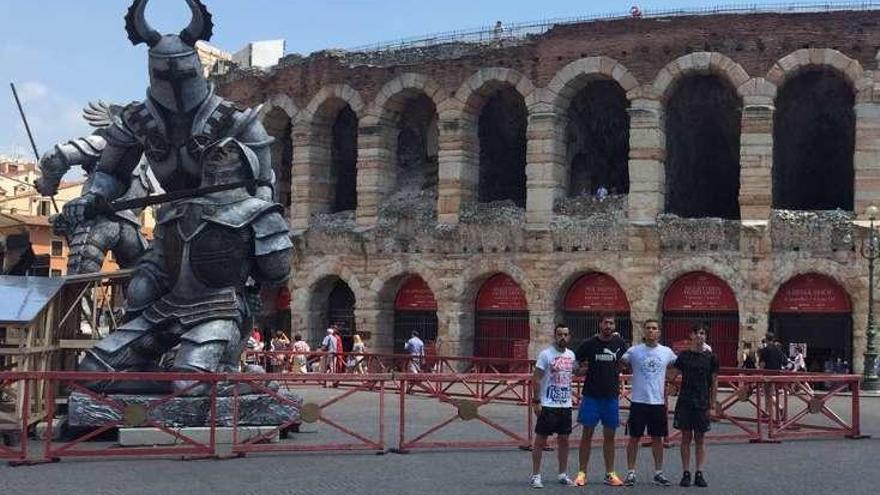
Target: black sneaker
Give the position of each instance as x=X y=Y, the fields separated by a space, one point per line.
x=699 y=480
x=685 y=479
x=661 y=480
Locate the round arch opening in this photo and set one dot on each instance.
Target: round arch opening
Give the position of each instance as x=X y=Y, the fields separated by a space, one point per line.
x=340 y=311
x=814 y=312
x=592 y=296
x=415 y=310
x=700 y=297
x=502 y=319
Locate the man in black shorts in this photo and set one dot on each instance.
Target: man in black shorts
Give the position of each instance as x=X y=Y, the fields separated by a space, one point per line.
x=649 y=362
x=551 y=399
x=698 y=395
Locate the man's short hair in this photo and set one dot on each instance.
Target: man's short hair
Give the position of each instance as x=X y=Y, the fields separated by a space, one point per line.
x=652 y=320
x=558 y=326
x=415 y=333
x=704 y=326
x=607 y=316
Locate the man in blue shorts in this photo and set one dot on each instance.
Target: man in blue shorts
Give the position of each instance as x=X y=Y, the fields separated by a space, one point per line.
x=599 y=357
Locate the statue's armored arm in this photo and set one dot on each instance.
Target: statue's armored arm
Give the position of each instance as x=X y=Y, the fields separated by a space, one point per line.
x=113 y=173
x=83 y=151
x=272 y=249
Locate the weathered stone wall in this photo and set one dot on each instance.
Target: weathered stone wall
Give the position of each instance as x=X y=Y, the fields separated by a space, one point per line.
x=455 y=244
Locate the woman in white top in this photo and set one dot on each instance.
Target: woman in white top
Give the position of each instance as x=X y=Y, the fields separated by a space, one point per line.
x=358 y=347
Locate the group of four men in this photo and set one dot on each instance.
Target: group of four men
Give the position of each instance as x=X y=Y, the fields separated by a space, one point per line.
x=601 y=359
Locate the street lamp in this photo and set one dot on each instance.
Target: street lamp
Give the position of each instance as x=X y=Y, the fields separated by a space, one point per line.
x=871 y=251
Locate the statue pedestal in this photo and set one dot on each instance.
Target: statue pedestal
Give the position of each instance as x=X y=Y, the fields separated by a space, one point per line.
x=253 y=410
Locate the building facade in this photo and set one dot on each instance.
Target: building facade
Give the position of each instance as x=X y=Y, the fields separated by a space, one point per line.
x=687 y=168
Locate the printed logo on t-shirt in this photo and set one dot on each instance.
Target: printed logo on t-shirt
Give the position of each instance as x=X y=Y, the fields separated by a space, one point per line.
x=606 y=355
x=559 y=384
x=652 y=365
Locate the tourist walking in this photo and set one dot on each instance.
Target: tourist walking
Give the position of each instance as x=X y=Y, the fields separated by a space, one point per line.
x=416 y=350
x=551 y=401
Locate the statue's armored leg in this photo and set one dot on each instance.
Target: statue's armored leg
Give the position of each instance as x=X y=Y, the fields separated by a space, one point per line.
x=130 y=246
x=135 y=346
x=211 y=347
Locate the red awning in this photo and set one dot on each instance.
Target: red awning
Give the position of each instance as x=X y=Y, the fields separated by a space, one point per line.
x=501 y=293
x=811 y=293
x=415 y=295
x=699 y=291
x=596 y=292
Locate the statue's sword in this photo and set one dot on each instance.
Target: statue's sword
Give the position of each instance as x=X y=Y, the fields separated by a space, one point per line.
x=30 y=135
x=130 y=204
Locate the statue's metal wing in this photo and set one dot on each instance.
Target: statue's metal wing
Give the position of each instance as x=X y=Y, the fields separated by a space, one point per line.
x=99 y=114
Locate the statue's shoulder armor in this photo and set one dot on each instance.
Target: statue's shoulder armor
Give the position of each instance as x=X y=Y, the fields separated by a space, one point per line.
x=240 y=214
x=222 y=120
x=139 y=120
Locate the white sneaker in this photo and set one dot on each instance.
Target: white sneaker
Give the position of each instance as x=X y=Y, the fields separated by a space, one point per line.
x=563 y=479
x=536 y=481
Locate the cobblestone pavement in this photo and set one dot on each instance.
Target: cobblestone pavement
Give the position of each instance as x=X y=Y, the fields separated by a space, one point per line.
x=796 y=467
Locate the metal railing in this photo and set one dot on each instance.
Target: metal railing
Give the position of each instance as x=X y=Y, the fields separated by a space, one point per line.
x=522 y=30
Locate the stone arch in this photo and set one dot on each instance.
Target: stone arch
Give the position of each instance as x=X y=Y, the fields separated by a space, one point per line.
x=699 y=63
x=848 y=278
x=313 y=184
x=570 y=272
x=473 y=276
x=797 y=61
x=280 y=101
x=400 y=141
x=725 y=271
x=576 y=75
x=383 y=291
x=306 y=300
x=703 y=118
x=472 y=93
x=278 y=114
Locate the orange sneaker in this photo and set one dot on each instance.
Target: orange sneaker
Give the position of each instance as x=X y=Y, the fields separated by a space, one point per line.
x=612 y=479
x=580 y=479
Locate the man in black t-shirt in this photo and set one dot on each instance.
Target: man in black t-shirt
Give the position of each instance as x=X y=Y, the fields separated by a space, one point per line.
x=599 y=357
x=698 y=395
x=771 y=356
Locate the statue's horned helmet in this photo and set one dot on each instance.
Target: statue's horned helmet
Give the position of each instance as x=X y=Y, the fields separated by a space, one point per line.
x=176 y=78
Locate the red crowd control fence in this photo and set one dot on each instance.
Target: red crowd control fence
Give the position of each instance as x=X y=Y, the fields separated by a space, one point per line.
x=335 y=412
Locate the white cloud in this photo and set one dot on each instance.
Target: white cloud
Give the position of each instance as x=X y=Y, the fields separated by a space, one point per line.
x=53 y=118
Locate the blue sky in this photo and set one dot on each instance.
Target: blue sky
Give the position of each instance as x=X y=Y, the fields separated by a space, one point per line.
x=63 y=53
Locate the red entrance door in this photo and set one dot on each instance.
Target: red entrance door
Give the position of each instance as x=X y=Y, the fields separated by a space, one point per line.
x=502 y=323
x=591 y=296
x=700 y=297
x=415 y=309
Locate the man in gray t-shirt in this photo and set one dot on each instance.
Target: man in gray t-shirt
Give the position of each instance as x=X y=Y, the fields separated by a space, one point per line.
x=328 y=345
x=648 y=362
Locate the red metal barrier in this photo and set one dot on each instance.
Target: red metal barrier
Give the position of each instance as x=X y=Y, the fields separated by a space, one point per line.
x=312 y=413
x=436 y=386
x=16 y=422
x=497 y=405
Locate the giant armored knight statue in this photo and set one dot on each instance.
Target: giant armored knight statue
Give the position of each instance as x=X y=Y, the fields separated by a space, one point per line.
x=120 y=231
x=189 y=287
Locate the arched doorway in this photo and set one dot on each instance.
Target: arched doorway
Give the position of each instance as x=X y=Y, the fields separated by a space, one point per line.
x=502 y=323
x=589 y=298
x=703 y=118
x=502 y=133
x=813 y=310
x=697 y=297
x=340 y=310
x=415 y=309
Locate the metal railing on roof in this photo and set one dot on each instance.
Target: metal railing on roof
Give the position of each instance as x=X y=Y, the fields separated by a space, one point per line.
x=525 y=29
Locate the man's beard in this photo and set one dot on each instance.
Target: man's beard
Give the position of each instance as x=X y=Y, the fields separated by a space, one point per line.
x=561 y=345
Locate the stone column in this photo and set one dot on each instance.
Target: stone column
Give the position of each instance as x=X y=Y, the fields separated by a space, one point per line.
x=545 y=164
x=311 y=188
x=756 y=150
x=375 y=178
x=541 y=325
x=647 y=155
x=458 y=165
x=866 y=161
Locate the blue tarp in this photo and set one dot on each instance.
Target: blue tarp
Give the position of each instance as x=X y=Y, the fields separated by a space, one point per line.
x=22 y=298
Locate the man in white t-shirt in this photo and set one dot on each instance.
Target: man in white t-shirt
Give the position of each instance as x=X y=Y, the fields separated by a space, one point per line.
x=328 y=345
x=648 y=362
x=551 y=399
